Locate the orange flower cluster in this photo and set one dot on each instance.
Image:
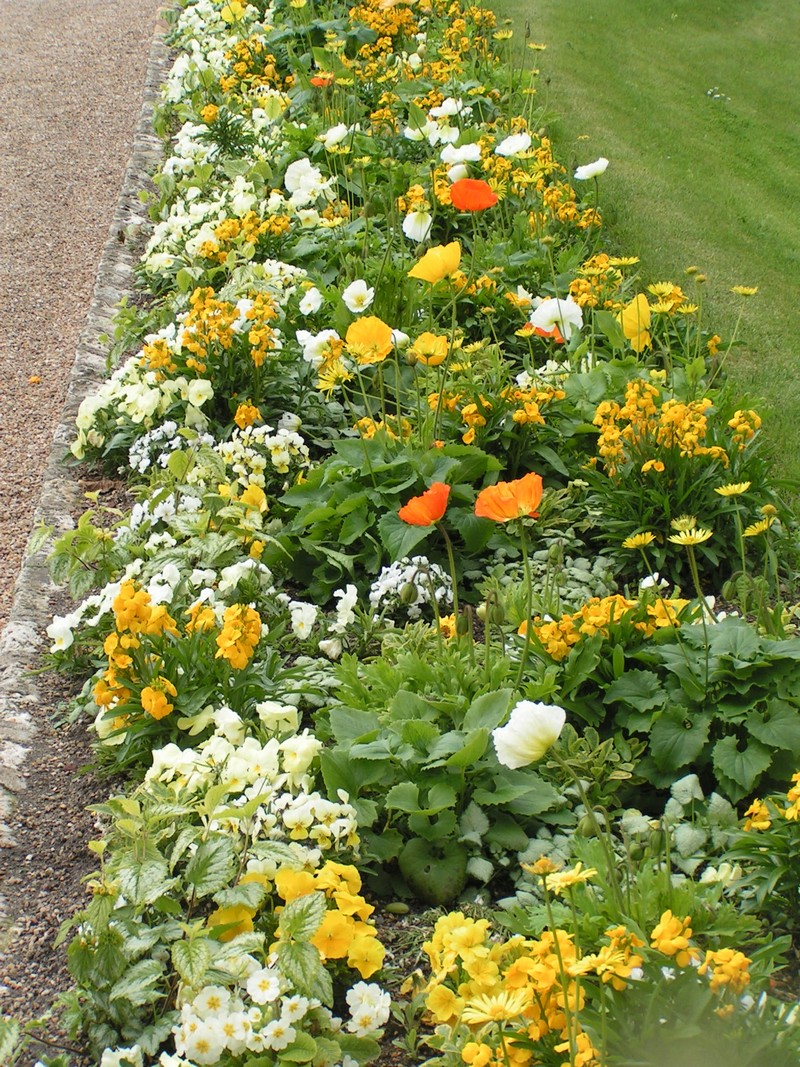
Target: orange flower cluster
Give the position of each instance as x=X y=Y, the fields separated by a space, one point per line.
x=599 y=615
x=241 y=630
x=646 y=429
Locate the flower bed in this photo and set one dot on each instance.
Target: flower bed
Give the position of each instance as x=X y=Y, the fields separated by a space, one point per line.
x=429 y=490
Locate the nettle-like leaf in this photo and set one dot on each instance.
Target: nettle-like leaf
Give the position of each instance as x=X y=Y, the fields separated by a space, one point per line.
x=302 y=917
x=140 y=984
x=473 y=824
x=212 y=866
x=191 y=959
x=143 y=883
x=302 y=965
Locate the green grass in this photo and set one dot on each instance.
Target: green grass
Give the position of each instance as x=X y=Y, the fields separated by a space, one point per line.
x=692 y=179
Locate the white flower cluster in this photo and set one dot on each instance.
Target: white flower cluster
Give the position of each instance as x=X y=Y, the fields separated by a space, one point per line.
x=249 y=452
x=410 y=584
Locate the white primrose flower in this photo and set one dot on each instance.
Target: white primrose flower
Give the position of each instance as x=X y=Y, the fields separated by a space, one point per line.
x=369 y=1008
x=277 y=1035
x=591 y=170
x=358 y=296
x=532 y=728
x=122 y=1057
x=265 y=986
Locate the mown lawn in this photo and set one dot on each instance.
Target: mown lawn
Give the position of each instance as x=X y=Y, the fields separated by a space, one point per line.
x=694 y=104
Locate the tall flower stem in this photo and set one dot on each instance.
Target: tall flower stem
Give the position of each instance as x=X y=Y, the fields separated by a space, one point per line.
x=528 y=603
x=451 y=559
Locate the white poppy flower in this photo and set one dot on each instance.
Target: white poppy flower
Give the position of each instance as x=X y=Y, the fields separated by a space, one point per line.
x=417 y=225
x=565 y=315
x=514 y=145
x=532 y=728
x=591 y=170
x=358 y=296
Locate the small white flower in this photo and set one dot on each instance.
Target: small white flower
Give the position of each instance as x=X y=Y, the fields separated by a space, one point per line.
x=264 y=986
x=331 y=647
x=60 y=633
x=467 y=153
x=335 y=135
x=591 y=170
x=311 y=302
x=514 y=145
x=358 y=296
x=457 y=172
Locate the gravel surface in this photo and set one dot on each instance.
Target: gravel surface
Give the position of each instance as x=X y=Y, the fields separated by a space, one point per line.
x=71 y=77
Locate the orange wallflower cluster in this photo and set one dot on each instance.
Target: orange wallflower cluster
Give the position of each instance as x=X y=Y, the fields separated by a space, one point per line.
x=241 y=630
x=599 y=615
x=252 y=66
x=647 y=426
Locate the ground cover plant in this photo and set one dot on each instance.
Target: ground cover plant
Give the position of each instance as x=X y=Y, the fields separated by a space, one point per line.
x=420 y=598
x=690 y=129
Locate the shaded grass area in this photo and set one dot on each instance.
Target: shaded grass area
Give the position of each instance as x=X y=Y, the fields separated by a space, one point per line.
x=694 y=104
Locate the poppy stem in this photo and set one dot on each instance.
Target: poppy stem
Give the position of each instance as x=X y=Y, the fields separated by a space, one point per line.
x=453 y=576
x=528 y=603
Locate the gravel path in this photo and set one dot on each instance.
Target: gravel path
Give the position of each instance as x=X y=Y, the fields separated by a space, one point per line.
x=71 y=77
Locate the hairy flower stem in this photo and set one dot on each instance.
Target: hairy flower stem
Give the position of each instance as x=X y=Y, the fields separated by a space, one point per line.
x=448 y=544
x=528 y=604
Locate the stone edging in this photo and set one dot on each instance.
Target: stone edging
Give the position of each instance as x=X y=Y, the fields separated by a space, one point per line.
x=60 y=493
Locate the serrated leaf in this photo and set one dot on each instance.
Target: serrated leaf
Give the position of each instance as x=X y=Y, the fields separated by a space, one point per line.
x=302 y=917
x=641 y=690
x=778 y=726
x=139 y=984
x=403 y=797
x=302 y=965
x=480 y=869
x=249 y=895
x=398 y=538
x=212 y=866
x=145 y=882
x=473 y=823
x=191 y=960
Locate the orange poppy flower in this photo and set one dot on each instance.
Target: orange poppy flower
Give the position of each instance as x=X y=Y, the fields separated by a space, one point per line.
x=510 y=500
x=428 y=507
x=472 y=194
x=321 y=81
x=369 y=339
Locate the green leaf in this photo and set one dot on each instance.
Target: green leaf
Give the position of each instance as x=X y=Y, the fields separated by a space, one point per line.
x=143 y=883
x=678 y=737
x=435 y=874
x=473 y=748
x=403 y=797
x=191 y=960
x=608 y=323
x=349 y=724
x=9 y=1035
x=302 y=917
x=488 y=710
x=473 y=824
x=139 y=984
x=778 y=726
x=398 y=538
x=440 y=796
x=302 y=1050
x=212 y=866
x=744 y=766
x=506 y=832
x=641 y=690
x=302 y=965
x=249 y=895
x=526 y=790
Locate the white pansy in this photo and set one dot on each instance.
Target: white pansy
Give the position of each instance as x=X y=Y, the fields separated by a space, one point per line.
x=60 y=632
x=532 y=729
x=591 y=170
x=457 y=172
x=335 y=135
x=199 y=391
x=298 y=752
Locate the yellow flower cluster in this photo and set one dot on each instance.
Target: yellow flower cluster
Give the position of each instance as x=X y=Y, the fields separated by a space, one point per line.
x=597 y=284
x=646 y=424
x=744 y=425
x=252 y=67
x=759 y=817
x=345 y=933
x=671 y=936
x=527 y=989
x=241 y=629
x=599 y=615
